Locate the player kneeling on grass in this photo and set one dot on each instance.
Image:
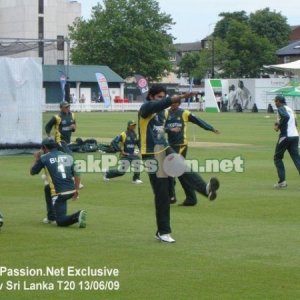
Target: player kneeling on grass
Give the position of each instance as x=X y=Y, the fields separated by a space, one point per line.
x=59 y=169
x=125 y=143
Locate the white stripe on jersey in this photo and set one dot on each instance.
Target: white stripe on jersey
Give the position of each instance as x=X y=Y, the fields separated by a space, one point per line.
x=292 y=129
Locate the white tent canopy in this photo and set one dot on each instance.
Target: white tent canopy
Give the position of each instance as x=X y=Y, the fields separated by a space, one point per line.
x=293 y=67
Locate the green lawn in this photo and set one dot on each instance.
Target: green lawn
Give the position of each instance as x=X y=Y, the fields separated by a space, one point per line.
x=245 y=245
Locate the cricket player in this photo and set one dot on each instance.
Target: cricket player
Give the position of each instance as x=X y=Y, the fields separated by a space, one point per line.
x=125 y=143
x=176 y=128
x=64 y=125
x=154 y=147
x=59 y=169
x=288 y=140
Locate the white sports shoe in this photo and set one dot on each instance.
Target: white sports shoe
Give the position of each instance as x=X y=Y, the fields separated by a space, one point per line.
x=212 y=187
x=164 y=238
x=280 y=185
x=82 y=219
x=137 y=181
x=46 y=221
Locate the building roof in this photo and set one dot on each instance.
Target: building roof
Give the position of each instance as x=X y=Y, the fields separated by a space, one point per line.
x=291 y=49
x=82 y=73
x=187 y=47
x=293 y=27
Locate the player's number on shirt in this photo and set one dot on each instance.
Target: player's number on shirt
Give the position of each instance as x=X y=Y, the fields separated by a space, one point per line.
x=61 y=169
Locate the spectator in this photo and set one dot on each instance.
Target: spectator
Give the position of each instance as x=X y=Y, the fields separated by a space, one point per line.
x=82 y=98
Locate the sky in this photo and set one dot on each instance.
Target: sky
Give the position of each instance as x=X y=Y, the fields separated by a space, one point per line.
x=195 y=19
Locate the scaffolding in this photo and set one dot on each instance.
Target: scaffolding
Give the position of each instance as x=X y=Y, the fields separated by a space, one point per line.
x=52 y=51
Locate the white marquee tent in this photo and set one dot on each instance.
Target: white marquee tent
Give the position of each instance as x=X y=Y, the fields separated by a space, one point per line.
x=293 y=67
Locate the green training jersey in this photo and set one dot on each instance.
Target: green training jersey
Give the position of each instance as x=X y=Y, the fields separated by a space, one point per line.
x=62 y=126
x=179 y=119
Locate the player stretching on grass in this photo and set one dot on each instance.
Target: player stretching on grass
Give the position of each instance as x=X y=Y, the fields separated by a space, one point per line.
x=64 y=125
x=59 y=168
x=154 y=147
x=125 y=144
x=176 y=128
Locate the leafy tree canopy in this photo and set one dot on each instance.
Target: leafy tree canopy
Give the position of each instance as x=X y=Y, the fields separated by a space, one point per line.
x=221 y=28
x=243 y=52
x=188 y=64
x=244 y=44
x=130 y=36
x=271 y=25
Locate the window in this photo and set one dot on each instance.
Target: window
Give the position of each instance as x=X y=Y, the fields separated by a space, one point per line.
x=60 y=42
x=60 y=62
x=286 y=59
x=41 y=50
x=41 y=6
x=41 y=27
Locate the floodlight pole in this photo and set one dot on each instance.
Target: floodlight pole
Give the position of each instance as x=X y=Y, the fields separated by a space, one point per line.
x=212 y=39
x=68 y=56
x=213 y=57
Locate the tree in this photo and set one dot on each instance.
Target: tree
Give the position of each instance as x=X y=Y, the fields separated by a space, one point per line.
x=188 y=65
x=271 y=25
x=221 y=28
x=130 y=36
x=243 y=52
x=244 y=44
x=204 y=65
x=216 y=59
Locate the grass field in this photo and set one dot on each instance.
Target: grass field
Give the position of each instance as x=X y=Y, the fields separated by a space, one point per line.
x=245 y=245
